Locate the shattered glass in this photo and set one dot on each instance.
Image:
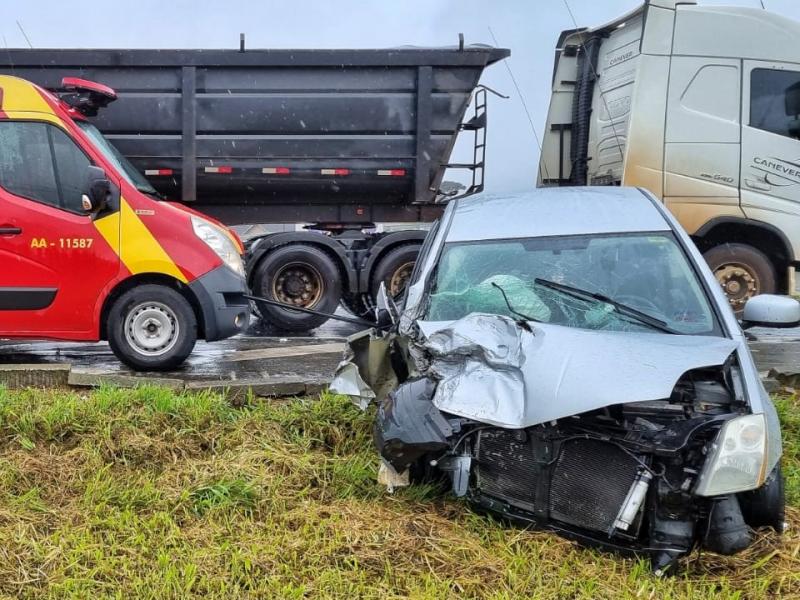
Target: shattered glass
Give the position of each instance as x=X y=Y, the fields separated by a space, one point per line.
x=647 y=272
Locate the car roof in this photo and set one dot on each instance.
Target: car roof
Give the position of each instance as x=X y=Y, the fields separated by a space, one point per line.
x=555 y=212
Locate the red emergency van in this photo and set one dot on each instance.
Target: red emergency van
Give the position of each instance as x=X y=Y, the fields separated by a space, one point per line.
x=90 y=251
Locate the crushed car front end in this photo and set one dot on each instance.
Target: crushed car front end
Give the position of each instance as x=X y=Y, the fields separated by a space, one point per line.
x=654 y=477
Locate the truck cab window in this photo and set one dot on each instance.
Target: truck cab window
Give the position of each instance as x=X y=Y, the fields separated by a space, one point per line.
x=40 y=162
x=775 y=101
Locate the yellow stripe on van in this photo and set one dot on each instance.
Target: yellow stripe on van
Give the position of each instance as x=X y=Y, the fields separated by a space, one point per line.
x=140 y=252
x=21 y=95
x=108 y=227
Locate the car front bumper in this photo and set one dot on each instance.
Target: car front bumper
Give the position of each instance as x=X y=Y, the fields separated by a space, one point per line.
x=225 y=310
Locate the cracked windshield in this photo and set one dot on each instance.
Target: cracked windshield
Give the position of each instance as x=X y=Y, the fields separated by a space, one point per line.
x=645 y=280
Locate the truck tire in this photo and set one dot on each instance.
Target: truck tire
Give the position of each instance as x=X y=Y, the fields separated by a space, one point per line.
x=394 y=269
x=152 y=328
x=742 y=271
x=358 y=304
x=298 y=275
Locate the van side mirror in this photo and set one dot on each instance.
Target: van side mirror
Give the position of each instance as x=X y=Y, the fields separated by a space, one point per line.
x=96 y=191
x=770 y=310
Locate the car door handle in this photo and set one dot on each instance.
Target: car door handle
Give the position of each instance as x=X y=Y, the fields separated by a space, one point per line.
x=10 y=230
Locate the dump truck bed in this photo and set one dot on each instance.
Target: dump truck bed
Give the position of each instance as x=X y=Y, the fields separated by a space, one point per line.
x=281 y=135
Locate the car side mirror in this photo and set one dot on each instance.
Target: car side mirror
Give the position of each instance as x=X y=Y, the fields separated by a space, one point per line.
x=96 y=191
x=770 y=310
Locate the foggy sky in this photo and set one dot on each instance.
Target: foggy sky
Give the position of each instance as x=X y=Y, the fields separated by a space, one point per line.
x=528 y=27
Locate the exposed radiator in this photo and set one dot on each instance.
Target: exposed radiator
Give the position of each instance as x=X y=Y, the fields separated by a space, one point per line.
x=589 y=483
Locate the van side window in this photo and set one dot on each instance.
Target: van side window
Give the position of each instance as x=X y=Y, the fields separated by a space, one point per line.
x=40 y=162
x=775 y=101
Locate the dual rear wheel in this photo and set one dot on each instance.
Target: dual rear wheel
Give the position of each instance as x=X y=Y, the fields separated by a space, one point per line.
x=307 y=277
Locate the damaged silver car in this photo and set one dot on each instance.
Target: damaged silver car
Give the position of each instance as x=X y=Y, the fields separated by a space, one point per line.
x=565 y=359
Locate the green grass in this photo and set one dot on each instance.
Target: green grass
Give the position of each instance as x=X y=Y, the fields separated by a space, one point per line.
x=149 y=493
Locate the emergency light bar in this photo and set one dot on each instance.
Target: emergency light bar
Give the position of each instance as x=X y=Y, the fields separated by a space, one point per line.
x=87 y=97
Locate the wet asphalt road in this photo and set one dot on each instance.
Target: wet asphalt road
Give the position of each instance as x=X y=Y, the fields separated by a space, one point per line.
x=265 y=354
x=260 y=354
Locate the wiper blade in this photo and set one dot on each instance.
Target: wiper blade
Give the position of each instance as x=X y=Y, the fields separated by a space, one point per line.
x=621 y=308
x=523 y=318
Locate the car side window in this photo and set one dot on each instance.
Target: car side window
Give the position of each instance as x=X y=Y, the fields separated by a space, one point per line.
x=40 y=162
x=775 y=101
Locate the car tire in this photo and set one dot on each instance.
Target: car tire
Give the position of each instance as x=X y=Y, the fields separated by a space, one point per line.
x=394 y=270
x=152 y=328
x=298 y=273
x=766 y=506
x=742 y=271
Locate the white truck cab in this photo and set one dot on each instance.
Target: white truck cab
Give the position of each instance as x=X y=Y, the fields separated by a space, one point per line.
x=701 y=106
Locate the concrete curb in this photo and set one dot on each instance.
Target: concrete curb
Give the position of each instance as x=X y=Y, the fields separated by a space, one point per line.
x=63 y=375
x=35 y=375
x=95 y=378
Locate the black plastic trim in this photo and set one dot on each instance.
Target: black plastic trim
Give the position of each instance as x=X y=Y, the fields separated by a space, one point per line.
x=709 y=225
x=26 y=298
x=221 y=296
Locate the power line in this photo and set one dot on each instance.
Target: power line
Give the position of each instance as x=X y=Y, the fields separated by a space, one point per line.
x=25 y=35
x=524 y=106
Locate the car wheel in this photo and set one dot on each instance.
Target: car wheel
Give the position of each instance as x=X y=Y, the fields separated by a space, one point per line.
x=742 y=271
x=297 y=275
x=152 y=328
x=766 y=506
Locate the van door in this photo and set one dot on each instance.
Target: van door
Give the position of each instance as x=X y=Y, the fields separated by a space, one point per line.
x=771 y=145
x=55 y=266
x=701 y=150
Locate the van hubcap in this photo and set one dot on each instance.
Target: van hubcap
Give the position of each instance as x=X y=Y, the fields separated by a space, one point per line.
x=151 y=328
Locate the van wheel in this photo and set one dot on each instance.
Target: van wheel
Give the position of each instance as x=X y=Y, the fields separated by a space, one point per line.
x=152 y=328
x=394 y=270
x=742 y=271
x=297 y=275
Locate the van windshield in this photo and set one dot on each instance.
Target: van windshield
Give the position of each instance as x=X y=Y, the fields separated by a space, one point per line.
x=631 y=282
x=123 y=165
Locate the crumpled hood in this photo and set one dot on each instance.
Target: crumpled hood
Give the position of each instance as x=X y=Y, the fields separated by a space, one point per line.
x=492 y=371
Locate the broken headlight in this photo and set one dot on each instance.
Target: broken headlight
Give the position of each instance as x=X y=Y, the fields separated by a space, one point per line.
x=737 y=459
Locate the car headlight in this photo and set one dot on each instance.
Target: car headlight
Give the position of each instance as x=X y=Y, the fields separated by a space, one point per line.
x=220 y=243
x=738 y=458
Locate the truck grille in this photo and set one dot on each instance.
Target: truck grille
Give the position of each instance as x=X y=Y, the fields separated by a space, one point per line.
x=589 y=483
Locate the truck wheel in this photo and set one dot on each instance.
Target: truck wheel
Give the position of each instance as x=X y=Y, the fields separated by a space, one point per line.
x=742 y=271
x=152 y=328
x=297 y=275
x=358 y=305
x=394 y=269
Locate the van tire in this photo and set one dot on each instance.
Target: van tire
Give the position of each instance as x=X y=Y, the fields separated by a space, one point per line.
x=152 y=327
x=305 y=269
x=742 y=271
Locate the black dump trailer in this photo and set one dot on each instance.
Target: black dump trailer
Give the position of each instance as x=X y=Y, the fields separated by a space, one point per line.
x=338 y=139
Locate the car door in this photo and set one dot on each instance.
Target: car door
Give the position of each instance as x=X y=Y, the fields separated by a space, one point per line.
x=55 y=265
x=771 y=145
